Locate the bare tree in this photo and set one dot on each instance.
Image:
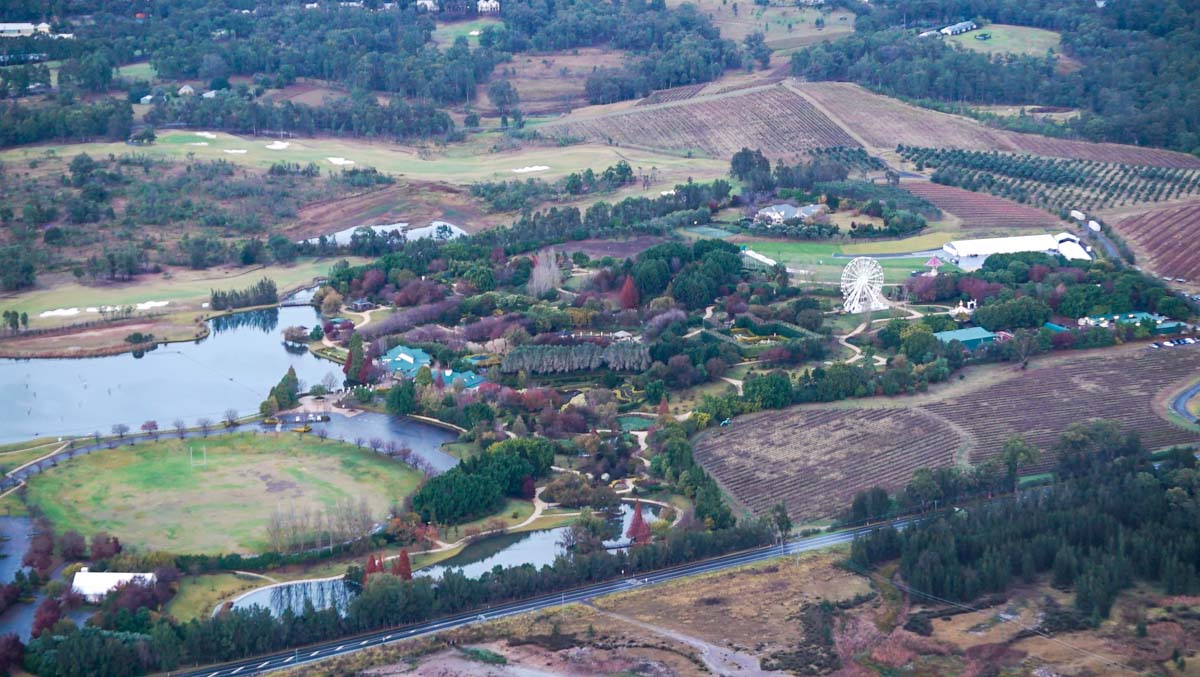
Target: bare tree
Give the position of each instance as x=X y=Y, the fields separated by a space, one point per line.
x=322 y=432
x=330 y=382
x=375 y=443
x=119 y=429
x=358 y=441
x=231 y=417
x=546 y=275
x=180 y=427
x=204 y=423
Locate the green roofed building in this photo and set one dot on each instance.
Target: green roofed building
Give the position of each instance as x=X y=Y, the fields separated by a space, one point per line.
x=971 y=338
x=406 y=362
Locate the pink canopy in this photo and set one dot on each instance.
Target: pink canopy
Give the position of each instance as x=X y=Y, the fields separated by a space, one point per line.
x=933 y=262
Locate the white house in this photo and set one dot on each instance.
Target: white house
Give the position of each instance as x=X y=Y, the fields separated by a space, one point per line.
x=186 y=90
x=210 y=94
x=777 y=214
x=959 y=28
x=427 y=5
x=146 y=100
x=93 y=586
x=488 y=6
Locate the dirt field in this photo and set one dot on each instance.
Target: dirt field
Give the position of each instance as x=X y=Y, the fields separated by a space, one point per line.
x=1168 y=237
x=783 y=27
x=883 y=123
x=106 y=339
x=618 y=249
x=816 y=457
x=979 y=211
x=550 y=83
x=770 y=117
x=308 y=92
x=414 y=202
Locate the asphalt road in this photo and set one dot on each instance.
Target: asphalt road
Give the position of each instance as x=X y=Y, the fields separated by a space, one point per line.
x=315 y=652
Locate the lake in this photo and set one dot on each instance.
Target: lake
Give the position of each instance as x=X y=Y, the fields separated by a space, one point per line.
x=234 y=367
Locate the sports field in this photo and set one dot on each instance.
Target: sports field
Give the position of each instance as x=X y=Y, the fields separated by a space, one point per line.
x=1008 y=39
x=819 y=259
x=153 y=496
x=446 y=33
x=460 y=163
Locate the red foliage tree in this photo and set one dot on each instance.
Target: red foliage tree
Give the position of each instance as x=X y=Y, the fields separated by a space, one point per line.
x=628 y=294
x=402 y=567
x=639 y=531
x=528 y=489
x=104 y=546
x=47 y=614
x=663 y=409
x=12 y=652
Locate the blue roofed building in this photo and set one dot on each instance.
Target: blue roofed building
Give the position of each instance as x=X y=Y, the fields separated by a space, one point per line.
x=403 y=361
x=971 y=338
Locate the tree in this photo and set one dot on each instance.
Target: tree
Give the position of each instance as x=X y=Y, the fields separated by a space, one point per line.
x=546 y=275
x=12 y=652
x=180 y=427
x=639 y=531
x=331 y=302
x=151 y=428
x=628 y=295
x=204 y=423
x=402 y=567
x=72 y=546
x=48 y=613
x=119 y=429
x=231 y=417
x=104 y=546
x=503 y=96
x=781 y=520
x=402 y=398
x=1016 y=453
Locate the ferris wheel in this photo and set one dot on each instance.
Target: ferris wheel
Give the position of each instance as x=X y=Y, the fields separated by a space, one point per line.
x=862 y=286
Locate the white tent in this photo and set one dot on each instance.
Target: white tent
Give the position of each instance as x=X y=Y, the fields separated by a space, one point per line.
x=93 y=586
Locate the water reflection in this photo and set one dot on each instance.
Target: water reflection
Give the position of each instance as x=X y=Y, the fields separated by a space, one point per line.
x=536 y=548
x=266 y=320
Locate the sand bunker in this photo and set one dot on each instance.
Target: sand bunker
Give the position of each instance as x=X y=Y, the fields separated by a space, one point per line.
x=147 y=305
x=60 y=312
x=278 y=145
x=198 y=143
x=340 y=161
x=206 y=135
x=475 y=33
x=236 y=151
x=531 y=168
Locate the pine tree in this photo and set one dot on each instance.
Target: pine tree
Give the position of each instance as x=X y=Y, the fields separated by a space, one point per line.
x=629 y=294
x=639 y=531
x=402 y=567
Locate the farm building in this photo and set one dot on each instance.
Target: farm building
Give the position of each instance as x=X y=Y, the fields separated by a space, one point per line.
x=93 y=586
x=970 y=254
x=752 y=259
x=1162 y=325
x=777 y=214
x=186 y=90
x=146 y=100
x=427 y=5
x=360 y=305
x=488 y=6
x=971 y=338
x=23 y=30
x=959 y=28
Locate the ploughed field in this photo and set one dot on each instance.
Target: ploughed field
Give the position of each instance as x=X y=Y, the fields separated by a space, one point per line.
x=980 y=210
x=1169 y=237
x=771 y=118
x=815 y=458
x=884 y=122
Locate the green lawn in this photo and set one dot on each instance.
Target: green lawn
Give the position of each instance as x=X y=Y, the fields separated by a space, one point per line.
x=445 y=34
x=463 y=163
x=151 y=496
x=1008 y=39
x=138 y=71
x=818 y=258
x=199 y=595
x=635 y=422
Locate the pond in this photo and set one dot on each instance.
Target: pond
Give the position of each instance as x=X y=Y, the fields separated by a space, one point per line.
x=537 y=548
x=233 y=368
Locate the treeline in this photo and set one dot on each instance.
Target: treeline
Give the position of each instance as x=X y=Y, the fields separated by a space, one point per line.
x=108 y=119
x=1115 y=518
x=534 y=359
x=674 y=462
x=262 y=293
x=478 y=486
x=1136 y=84
x=515 y=195
x=385 y=601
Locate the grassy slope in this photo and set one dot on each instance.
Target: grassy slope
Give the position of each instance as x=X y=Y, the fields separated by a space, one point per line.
x=461 y=163
x=1008 y=39
x=150 y=496
x=187 y=287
